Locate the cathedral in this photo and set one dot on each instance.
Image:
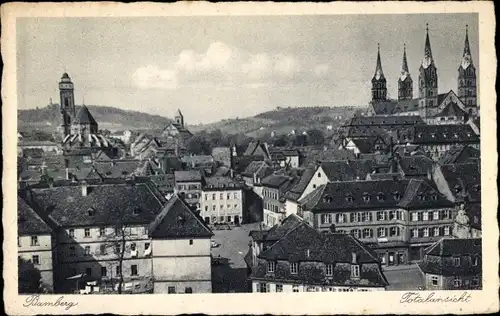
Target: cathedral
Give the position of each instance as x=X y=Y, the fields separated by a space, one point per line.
x=430 y=105
x=80 y=131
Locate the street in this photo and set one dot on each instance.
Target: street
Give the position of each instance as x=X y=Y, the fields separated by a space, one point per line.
x=402 y=278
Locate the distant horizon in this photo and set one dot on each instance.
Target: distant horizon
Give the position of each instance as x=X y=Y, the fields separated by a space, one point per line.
x=216 y=68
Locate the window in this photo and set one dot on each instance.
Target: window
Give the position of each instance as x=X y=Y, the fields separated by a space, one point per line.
x=263 y=287
x=392 y=215
x=366 y=198
x=87 y=232
x=72 y=251
x=87 y=250
x=188 y=290
x=213 y=207
x=355 y=271
x=133 y=269
x=34 y=241
x=319 y=174
x=229 y=196
x=118 y=270
x=294 y=267
x=394 y=231
x=171 y=290
x=104 y=271
x=341 y=218
x=397 y=196
x=457 y=281
x=367 y=233
x=88 y=271
x=435 y=231
x=279 y=287
x=414 y=217
x=382 y=232
x=206 y=197
x=133 y=246
x=426 y=232
x=414 y=233
x=137 y=210
x=190 y=241
x=447 y=230
x=222 y=196
x=229 y=219
x=381 y=216
x=222 y=219
x=146 y=230
x=349 y=198
x=222 y=206
x=235 y=195
x=117 y=249
x=295 y=288
x=420 y=216
x=91 y=211
x=314 y=186
x=329 y=269
x=434 y=280
x=435 y=215
x=425 y=216
x=270 y=266
x=206 y=208
x=102 y=231
x=456 y=261
x=475 y=260
x=325 y=218
x=35 y=259
x=356 y=233
x=103 y=249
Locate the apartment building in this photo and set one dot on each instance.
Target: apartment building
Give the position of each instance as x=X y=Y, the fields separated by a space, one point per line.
x=222 y=201
x=188 y=185
x=35 y=245
x=398 y=218
x=274 y=188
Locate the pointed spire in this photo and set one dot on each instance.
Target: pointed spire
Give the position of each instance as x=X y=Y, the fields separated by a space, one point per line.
x=466 y=58
x=379 y=74
x=405 y=72
x=428 y=60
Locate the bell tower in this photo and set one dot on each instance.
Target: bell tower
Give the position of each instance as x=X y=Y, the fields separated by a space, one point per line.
x=405 y=83
x=467 y=89
x=67 y=104
x=428 y=79
x=379 y=83
x=179 y=118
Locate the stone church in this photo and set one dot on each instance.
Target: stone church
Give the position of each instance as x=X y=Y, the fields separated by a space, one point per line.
x=433 y=107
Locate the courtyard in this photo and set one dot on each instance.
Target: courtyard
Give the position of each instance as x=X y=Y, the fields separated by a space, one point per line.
x=230 y=275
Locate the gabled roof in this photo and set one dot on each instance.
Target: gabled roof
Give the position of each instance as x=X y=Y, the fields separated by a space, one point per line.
x=254 y=147
x=346 y=170
x=443 y=134
x=126 y=203
x=259 y=168
x=451 y=109
x=84 y=117
x=28 y=221
x=464 y=176
x=117 y=168
x=188 y=176
x=416 y=165
x=296 y=191
x=460 y=154
x=276 y=181
x=176 y=220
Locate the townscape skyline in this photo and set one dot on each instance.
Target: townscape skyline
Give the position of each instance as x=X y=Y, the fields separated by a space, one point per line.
x=257 y=69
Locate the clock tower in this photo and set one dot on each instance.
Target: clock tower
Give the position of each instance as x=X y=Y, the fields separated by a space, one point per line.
x=67 y=105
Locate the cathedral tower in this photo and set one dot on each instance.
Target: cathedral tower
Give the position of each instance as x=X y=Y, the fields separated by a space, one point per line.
x=428 y=79
x=405 y=83
x=379 y=84
x=467 y=91
x=67 y=105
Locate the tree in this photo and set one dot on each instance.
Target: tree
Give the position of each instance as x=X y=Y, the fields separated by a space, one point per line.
x=29 y=277
x=315 y=137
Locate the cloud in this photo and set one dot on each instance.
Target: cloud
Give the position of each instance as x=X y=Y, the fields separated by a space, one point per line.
x=223 y=64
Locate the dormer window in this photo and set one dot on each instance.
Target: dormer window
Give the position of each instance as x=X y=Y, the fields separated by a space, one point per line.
x=366 y=197
x=433 y=135
x=329 y=269
x=380 y=197
x=421 y=196
x=475 y=260
x=349 y=198
x=397 y=196
x=91 y=211
x=294 y=268
x=456 y=261
x=271 y=265
x=354 y=271
x=455 y=135
x=419 y=135
x=137 y=210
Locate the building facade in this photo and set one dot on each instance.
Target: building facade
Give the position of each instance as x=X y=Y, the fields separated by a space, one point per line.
x=222 y=201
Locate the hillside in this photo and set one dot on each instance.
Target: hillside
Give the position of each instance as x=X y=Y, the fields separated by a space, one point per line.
x=283 y=120
x=107 y=117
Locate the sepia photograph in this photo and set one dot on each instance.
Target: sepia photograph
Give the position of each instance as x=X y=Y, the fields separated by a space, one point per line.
x=248 y=154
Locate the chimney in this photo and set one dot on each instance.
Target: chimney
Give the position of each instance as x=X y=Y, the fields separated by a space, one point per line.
x=354 y=258
x=67 y=173
x=84 y=188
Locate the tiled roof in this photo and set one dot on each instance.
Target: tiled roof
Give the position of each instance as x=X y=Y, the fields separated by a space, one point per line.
x=464 y=176
x=176 y=220
x=276 y=181
x=242 y=162
x=296 y=191
x=443 y=134
x=386 y=120
x=260 y=168
x=451 y=109
x=313 y=156
x=390 y=107
x=84 y=117
x=218 y=182
x=404 y=150
x=346 y=170
x=364 y=145
x=28 y=221
x=438 y=260
x=305 y=245
x=279 y=230
x=196 y=160
x=460 y=154
x=117 y=168
x=416 y=165
x=413 y=193
x=253 y=148
x=188 y=176
x=112 y=203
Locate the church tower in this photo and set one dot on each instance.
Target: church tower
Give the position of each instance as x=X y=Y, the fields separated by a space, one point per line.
x=67 y=104
x=405 y=83
x=379 y=84
x=428 y=79
x=179 y=118
x=467 y=91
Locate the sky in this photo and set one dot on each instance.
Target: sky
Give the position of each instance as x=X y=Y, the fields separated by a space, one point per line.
x=221 y=67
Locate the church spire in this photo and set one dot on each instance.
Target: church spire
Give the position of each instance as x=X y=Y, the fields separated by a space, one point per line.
x=428 y=60
x=466 y=58
x=379 y=74
x=404 y=66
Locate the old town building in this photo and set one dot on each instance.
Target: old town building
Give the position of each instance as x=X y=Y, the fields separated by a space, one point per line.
x=274 y=188
x=188 y=185
x=222 y=201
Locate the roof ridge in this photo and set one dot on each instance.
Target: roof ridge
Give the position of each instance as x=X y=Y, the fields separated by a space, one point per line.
x=301 y=224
